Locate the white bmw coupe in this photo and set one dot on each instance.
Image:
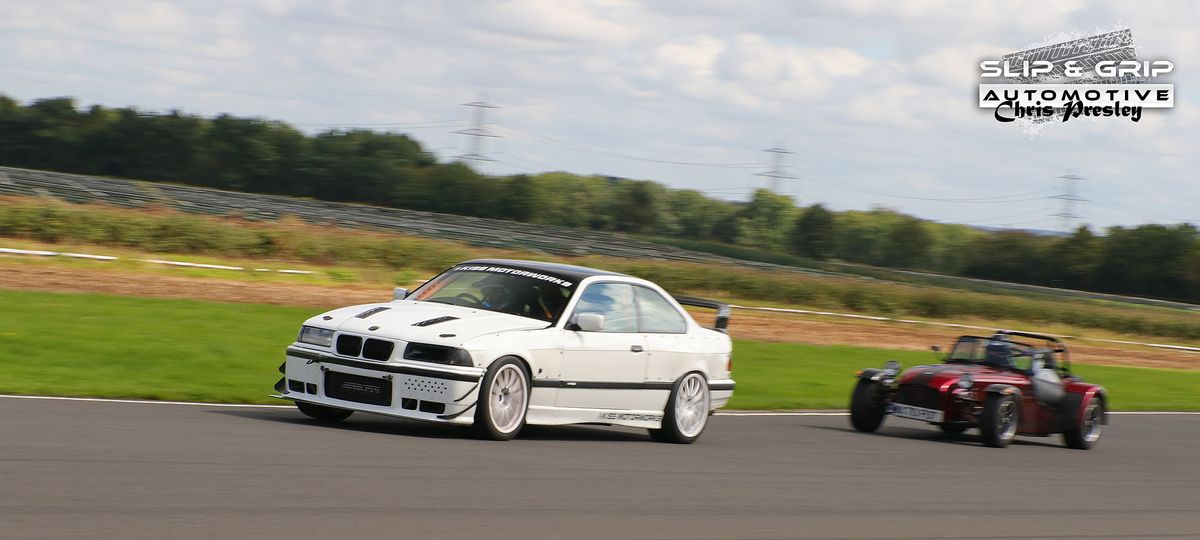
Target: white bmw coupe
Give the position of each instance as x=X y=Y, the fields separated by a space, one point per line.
x=498 y=344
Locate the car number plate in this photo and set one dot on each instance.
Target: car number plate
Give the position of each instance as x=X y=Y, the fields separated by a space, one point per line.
x=915 y=413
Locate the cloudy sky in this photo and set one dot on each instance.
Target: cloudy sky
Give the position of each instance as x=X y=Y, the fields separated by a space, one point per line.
x=876 y=99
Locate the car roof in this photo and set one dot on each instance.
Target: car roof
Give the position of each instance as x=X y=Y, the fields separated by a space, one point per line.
x=575 y=273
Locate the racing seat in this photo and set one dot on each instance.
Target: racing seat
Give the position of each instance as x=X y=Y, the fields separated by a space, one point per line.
x=1047 y=385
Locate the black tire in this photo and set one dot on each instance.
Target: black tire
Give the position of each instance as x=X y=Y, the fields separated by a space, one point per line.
x=696 y=403
x=323 y=413
x=953 y=429
x=866 y=406
x=1088 y=427
x=998 y=423
x=502 y=400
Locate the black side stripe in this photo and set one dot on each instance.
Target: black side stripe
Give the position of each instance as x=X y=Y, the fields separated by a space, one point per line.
x=603 y=385
x=404 y=370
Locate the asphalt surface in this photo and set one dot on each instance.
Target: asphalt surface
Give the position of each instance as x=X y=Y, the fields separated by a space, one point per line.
x=133 y=471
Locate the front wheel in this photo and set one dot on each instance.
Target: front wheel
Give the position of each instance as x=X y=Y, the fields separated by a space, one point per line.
x=687 y=411
x=503 y=400
x=323 y=413
x=1086 y=432
x=866 y=406
x=998 y=424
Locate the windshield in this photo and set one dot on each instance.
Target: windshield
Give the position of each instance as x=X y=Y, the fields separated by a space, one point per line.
x=999 y=353
x=502 y=289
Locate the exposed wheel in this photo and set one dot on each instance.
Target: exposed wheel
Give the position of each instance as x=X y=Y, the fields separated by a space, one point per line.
x=503 y=400
x=998 y=423
x=687 y=411
x=953 y=429
x=1087 y=431
x=323 y=413
x=866 y=406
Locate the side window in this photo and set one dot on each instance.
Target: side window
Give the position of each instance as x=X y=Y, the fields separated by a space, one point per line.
x=657 y=314
x=614 y=301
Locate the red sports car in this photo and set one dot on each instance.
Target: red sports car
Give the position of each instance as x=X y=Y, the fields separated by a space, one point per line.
x=1008 y=384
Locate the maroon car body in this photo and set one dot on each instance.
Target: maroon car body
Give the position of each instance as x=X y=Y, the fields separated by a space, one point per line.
x=1008 y=384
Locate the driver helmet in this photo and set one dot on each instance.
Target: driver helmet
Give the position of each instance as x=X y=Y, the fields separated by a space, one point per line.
x=497 y=295
x=998 y=353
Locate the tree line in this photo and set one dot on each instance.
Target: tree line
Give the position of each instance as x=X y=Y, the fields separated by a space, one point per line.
x=392 y=169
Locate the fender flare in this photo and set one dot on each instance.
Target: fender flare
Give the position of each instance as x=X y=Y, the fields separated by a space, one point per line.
x=873 y=375
x=1004 y=390
x=1092 y=394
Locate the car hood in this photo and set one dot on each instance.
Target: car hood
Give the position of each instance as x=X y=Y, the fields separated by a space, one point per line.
x=940 y=375
x=422 y=322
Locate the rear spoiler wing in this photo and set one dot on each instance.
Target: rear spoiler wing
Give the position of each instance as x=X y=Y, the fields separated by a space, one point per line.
x=723 y=310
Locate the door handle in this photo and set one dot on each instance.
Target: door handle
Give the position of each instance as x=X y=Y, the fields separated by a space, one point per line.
x=636 y=348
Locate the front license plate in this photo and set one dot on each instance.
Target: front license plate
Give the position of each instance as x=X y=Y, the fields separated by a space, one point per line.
x=356 y=388
x=915 y=413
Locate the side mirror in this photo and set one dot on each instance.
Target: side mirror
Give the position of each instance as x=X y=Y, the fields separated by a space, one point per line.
x=399 y=293
x=589 y=322
x=935 y=348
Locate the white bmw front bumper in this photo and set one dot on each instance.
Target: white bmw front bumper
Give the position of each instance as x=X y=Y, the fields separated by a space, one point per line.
x=405 y=389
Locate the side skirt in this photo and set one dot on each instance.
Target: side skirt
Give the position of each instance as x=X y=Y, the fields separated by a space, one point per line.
x=557 y=416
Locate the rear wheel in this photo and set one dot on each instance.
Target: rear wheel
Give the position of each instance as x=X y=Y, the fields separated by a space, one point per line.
x=323 y=413
x=998 y=423
x=1086 y=432
x=687 y=411
x=866 y=406
x=503 y=400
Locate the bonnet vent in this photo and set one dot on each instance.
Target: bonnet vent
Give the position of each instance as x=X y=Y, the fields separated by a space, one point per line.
x=435 y=320
x=371 y=311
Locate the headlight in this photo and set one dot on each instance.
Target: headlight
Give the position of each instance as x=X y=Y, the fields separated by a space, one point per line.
x=891 y=368
x=965 y=381
x=315 y=336
x=438 y=353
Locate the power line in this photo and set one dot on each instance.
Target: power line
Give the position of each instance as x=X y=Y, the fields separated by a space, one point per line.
x=606 y=153
x=478 y=132
x=1069 y=197
x=776 y=173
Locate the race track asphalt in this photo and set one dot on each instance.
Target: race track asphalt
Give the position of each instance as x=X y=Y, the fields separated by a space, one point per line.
x=138 y=471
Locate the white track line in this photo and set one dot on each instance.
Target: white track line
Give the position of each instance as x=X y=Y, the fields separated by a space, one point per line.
x=719 y=413
x=150 y=402
x=1182 y=348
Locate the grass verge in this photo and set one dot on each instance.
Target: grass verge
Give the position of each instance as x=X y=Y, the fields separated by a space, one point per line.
x=148 y=348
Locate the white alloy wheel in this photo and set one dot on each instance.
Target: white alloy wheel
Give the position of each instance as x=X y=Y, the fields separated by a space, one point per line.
x=687 y=411
x=691 y=405
x=503 y=400
x=507 y=398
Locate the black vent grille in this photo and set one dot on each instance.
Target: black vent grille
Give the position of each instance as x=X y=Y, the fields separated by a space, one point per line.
x=918 y=396
x=377 y=349
x=357 y=388
x=371 y=311
x=349 y=345
x=435 y=320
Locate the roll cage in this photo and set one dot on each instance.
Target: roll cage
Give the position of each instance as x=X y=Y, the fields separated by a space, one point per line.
x=1000 y=350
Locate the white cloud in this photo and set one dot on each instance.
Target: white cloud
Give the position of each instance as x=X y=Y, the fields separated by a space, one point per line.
x=871 y=92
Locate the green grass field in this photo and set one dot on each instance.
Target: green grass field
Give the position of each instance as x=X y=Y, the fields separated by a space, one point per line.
x=125 y=347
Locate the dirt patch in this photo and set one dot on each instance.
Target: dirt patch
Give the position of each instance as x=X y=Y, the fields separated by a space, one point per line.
x=819 y=330
x=60 y=279
x=815 y=329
